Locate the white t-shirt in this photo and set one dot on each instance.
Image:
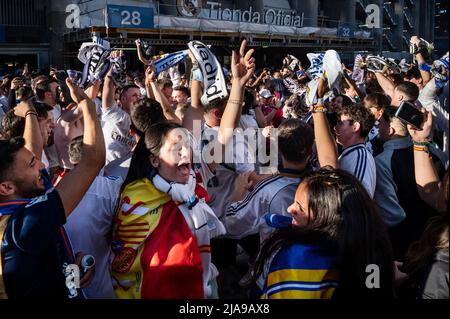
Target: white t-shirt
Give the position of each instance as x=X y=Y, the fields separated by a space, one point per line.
x=51 y=151
x=98 y=107
x=56 y=113
x=358 y=161
x=52 y=155
x=118 y=167
x=116 y=130
x=89 y=227
x=439 y=108
x=220 y=186
x=272 y=195
x=248 y=121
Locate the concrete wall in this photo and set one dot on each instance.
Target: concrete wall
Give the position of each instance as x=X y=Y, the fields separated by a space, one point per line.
x=310 y=8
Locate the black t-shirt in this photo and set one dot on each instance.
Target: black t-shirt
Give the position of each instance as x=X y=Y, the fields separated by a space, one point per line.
x=32 y=255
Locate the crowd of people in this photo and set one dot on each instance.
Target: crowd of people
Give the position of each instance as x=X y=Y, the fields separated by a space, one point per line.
x=115 y=185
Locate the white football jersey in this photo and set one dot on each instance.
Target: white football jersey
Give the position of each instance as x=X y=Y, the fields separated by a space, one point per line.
x=358 y=161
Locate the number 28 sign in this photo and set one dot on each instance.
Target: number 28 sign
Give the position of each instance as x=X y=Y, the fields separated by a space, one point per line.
x=129 y=17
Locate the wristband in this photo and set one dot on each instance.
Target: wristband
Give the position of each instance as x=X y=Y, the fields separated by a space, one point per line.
x=30 y=112
x=421 y=149
x=319 y=109
x=426 y=143
x=238 y=102
x=424 y=67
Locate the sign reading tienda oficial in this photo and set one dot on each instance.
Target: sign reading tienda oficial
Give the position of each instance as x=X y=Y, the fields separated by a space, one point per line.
x=214 y=10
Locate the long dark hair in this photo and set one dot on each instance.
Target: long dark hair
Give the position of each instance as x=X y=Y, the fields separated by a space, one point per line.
x=151 y=144
x=345 y=220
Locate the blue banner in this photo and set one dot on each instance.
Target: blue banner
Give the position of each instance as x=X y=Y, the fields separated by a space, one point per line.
x=130 y=17
x=346 y=30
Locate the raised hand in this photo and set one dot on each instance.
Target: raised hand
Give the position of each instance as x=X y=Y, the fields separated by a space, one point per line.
x=76 y=92
x=16 y=83
x=140 y=54
x=422 y=135
x=22 y=108
x=242 y=64
x=92 y=90
x=415 y=40
x=26 y=71
x=116 y=53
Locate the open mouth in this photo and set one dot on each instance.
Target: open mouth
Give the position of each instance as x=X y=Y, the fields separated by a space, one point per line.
x=184 y=168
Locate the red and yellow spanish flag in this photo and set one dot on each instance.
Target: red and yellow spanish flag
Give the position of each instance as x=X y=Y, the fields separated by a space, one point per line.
x=156 y=253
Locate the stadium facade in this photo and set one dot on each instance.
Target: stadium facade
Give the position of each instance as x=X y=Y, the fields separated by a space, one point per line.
x=46 y=32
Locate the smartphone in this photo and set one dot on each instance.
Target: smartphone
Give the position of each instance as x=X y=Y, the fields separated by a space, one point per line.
x=299 y=73
x=408 y=113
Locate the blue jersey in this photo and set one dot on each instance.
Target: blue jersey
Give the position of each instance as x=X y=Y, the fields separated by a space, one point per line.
x=302 y=272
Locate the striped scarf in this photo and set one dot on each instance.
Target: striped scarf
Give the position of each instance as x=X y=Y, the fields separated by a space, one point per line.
x=215 y=87
x=169 y=60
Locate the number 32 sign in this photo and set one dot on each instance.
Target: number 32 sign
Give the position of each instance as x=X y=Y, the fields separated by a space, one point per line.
x=129 y=17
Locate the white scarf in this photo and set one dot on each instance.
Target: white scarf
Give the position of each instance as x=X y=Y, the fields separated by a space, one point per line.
x=215 y=87
x=202 y=221
x=326 y=65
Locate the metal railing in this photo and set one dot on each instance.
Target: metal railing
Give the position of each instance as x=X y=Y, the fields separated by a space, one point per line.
x=389 y=13
x=389 y=37
x=363 y=3
x=408 y=18
x=406 y=40
x=23 y=13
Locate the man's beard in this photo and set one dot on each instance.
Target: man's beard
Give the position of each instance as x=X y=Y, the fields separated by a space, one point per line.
x=28 y=191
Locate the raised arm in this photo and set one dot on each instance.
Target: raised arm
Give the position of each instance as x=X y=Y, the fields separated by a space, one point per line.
x=160 y=97
x=195 y=110
x=109 y=88
x=16 y=83
x=428 y=184
x=73 y=187
x=242 y=67
x=260 y=77
x=386 y=84
x=140 y=53
x=426 y=75
x=76 y=112
x=148 y=80
x=260 y=118
x=269 y=117
x=353 y=86
x=32 y=133
x=326 y=147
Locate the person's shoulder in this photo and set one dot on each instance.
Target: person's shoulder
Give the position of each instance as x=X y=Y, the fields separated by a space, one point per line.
x=442 y=256
x=103 y=186
x=114 y=110
x=51 y=198
x=268 y=183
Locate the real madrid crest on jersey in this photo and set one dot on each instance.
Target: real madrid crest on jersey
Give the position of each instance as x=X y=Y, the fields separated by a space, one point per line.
x=190 y=8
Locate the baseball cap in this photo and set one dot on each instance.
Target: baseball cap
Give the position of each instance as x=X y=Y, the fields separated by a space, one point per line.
x=265 y=93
